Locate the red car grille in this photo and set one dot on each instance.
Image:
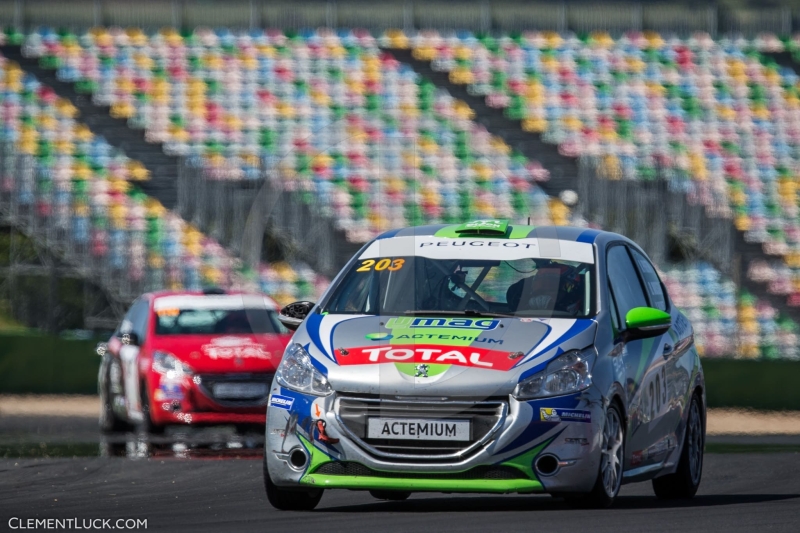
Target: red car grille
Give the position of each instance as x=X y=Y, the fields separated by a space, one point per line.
x=236 y=390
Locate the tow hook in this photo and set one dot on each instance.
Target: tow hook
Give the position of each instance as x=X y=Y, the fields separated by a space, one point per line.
x=323 y=436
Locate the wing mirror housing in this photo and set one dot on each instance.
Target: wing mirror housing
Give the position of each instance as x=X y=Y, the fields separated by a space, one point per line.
x=646 y=322
x=293 y=314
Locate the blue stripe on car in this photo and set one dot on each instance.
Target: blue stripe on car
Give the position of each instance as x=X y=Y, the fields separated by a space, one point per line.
x=319 y=366
x=578 y=327
x=388 y=234
x=313 y=322
x=588 y=236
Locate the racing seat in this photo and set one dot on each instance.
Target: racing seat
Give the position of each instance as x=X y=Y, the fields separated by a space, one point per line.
x=535 y=293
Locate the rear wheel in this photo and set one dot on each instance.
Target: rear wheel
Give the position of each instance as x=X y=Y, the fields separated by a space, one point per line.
x=686 y=479
x=290 y=499
x=609 y=478
x=390 y=495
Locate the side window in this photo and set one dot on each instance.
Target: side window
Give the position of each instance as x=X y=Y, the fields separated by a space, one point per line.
x=126 y=326
x=140 y=319
x=624 y=281
x=135 y=320
x=353 y=296
x=613 y=309
x=651 y=281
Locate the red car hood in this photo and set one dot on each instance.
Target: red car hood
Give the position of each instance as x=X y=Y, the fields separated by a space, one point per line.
x=225 y=353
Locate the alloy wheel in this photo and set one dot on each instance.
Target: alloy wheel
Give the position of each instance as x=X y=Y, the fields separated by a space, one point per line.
x=612 y=453
x=695 y=442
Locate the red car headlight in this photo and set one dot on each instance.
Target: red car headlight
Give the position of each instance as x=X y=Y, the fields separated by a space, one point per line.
x=170 y=366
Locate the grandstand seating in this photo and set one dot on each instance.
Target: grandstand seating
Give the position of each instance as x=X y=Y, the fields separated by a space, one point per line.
x=724 y=323
x=85 y=188
x=716 y=118
x=327 y=111
x=332 y=115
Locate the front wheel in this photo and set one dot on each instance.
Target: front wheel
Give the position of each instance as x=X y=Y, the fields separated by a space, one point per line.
x=686 y=479
x=609 y=478
x=147 y=419
x=289 y=499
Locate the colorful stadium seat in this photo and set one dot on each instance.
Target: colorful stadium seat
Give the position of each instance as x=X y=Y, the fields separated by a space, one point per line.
x=330 y=115
x=714 y=117
x=323 y=112
x=82 y=190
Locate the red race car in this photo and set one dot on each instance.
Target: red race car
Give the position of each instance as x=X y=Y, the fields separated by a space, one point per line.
x=191 y=358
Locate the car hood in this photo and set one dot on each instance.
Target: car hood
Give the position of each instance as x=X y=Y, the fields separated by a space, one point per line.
x=441 y=356
x=225 y=353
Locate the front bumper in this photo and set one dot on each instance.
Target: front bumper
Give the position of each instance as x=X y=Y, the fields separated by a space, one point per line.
x=504 y=463
x=423 y=484
x=186 y=401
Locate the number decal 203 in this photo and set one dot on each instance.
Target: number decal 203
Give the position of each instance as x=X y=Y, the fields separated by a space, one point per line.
x=382 y=264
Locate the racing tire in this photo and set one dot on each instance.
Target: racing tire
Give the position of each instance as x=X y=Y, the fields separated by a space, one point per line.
x=390 y=495
x=609 y=478
x=290 y=499
x=109 y=422
x=147 y=420
x=685 y=481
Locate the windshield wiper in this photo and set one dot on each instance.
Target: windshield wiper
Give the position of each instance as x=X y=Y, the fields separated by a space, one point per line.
x=467 y=312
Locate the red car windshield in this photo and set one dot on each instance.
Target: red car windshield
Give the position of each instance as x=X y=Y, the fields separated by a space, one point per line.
x=217 y=321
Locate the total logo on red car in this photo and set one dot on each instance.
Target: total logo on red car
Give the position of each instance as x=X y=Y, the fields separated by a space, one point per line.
x=191 y=358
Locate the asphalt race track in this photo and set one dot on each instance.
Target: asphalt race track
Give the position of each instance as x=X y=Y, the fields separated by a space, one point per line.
x=211 y=480
x=740 y=492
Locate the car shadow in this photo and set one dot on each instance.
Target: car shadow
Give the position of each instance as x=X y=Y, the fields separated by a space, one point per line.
x=543 y=503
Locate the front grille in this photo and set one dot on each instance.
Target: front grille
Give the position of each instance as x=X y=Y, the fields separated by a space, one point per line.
x=208 y=382
x=348 y=468
x=484 y=417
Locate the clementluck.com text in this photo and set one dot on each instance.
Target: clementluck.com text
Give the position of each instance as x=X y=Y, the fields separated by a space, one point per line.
x=16 y=523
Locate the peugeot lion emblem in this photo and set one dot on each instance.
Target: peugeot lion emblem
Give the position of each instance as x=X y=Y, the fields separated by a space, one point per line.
x=421 y=371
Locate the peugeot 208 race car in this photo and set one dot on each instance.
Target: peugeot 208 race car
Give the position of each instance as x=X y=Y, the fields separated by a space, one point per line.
x=191 y=358
x=488 y=358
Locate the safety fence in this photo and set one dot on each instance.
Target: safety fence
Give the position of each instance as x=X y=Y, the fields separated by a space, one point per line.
x=28 y=201
x=242 y=214
x=482 y=15
x=657 y=214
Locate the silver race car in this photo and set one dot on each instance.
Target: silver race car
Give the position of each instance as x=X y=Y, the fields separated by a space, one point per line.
x=486 y=357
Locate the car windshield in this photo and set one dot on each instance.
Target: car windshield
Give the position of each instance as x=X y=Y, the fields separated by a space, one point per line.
x=542 y=288
x=216 y=321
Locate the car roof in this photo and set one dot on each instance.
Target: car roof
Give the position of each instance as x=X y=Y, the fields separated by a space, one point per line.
x=513 y=231
x=178 y=296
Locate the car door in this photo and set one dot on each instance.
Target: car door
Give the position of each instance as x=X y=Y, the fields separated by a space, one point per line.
x=678 y=359
x=135 y=321
x=644 y=363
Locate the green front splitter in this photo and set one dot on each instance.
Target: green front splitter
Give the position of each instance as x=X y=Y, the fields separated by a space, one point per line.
x=420 y=485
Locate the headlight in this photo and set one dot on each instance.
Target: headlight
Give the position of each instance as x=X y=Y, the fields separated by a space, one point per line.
x=166 y=363
x=297 y=373
x=568 y=373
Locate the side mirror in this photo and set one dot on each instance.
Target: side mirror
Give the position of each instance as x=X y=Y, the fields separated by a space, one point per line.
x=131 y=339
x=646 y=322
x=101 y=349
x=293 y=314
